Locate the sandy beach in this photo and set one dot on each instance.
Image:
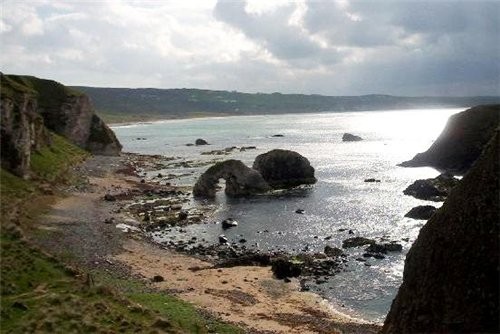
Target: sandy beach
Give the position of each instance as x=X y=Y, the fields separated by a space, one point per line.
x=245 y=295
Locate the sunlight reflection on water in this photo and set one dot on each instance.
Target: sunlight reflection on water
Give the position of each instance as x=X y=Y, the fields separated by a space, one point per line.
x=339 y=200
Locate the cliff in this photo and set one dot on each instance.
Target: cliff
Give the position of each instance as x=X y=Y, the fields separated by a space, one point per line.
x=461 y=141
x=31 y=108
x=451 y=275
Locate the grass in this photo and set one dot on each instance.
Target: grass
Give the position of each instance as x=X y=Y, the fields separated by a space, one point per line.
x=41 y=294
x=50 y=161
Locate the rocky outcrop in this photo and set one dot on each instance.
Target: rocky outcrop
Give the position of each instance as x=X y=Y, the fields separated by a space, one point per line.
x=351 y=137
x=284 y=169
x=22 y=131
x=423 y=212
x=240 y=180
x=435 y=189
x=32 y=107
x=451 y=275
x=461 y=141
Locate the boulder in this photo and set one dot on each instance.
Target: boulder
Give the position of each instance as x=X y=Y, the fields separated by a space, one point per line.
x=351 y=137
x=199 y=142
x=333 y=251
x=356 y=242
x=451 y=274
x=284 y=169
x=228 y=223
x=240 y=180
x=384 y=248
x=423 y=212
x=461 y=141
x=284 y=267
x=432 y=189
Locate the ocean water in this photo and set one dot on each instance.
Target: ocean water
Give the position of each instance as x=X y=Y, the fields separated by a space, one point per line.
x=339 y=200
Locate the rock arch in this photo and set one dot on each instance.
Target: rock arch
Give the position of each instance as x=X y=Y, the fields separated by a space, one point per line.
x=240 y=180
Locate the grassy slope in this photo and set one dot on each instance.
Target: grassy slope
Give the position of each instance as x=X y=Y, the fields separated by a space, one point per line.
x=39 y=293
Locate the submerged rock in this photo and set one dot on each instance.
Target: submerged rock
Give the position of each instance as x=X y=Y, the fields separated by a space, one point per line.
x=240 y=180
x=432 y=189
x=351 y=137
x=284 y=169
x=356 y=242
x=461 y=141
x=451 y=274
x=423 y=212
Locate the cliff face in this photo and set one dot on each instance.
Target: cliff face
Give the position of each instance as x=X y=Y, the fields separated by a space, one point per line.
x=462 y=140
x=451 y=276
x=31 y=107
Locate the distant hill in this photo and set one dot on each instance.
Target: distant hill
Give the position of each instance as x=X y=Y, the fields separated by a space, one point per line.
x=117 y=104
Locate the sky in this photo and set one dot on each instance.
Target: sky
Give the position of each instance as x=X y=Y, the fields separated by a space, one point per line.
x=330 y=47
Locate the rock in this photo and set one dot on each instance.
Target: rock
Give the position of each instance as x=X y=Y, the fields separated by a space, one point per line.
x=451 y=274
x=461 y=141
x=372 y=180
x=31 y=108
x=223 y=239
x=277 y=135
x=246 y=148
x=109 y=198
x=19 y=305
x=300 y=211
x=423 y=212
x=228 y=223
x=384 y=248
x=351 y=137
x=432 y=189
x=200 y=142
x=240 y=180
x=284 y=169
x=356 y=242
x=333 y=251
x=157 y=278
x=283 y=267
x=109 y=220
x=182 y=215
x=189 y=144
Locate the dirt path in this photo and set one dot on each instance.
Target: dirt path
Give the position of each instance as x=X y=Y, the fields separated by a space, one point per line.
x=249 y=296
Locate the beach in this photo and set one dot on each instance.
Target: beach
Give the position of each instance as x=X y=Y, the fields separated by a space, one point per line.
x=86 y=225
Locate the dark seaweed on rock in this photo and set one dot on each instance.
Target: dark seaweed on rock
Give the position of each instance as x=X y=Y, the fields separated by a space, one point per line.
x=451 y=275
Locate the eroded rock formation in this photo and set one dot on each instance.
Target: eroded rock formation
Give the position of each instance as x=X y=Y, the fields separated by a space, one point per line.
x=32 y=107
x=240 y=180
x=461 y=141
x=451 y=275
x=284 y=169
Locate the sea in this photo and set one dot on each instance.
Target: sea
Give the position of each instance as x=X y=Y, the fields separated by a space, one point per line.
x=340 y=200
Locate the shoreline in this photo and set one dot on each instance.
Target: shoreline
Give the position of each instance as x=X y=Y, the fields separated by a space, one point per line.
x=168 y=118
x=267 y=302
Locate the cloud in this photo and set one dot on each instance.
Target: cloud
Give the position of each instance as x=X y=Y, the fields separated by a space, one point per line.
x=328 y=47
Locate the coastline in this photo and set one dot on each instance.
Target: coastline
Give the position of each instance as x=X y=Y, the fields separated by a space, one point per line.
x=248 y=296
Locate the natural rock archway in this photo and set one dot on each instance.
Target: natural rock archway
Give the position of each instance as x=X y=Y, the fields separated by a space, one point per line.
x=240 y=180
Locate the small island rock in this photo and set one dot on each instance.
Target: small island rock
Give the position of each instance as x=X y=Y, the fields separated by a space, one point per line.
x=284 y=169
x=351 y=137
x=423 y=212
x=200 y=142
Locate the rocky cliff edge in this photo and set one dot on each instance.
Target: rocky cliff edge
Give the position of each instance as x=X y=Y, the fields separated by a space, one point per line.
x=31 y=108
